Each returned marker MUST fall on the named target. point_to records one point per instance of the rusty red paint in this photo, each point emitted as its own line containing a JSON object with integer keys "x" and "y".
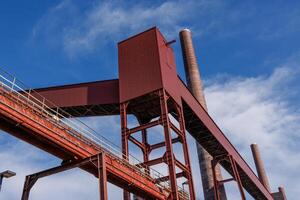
{"x": 83, "y": 94}
{"x": 146, "y": 64}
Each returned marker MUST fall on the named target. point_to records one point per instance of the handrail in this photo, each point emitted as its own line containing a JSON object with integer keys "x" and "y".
{"x": 77, "y": 128}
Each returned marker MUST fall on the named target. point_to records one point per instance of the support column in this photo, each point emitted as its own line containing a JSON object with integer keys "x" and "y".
{"x": 237, "y": 177}
{"x": 195, "y": 85}
{"x": 102, "y": 177}
{"x": 145, "y": 142}
{"x": 186, "y": 153}
{"x": 168, "y": 141}
{"x": 29, "y": 183}
{"x": 219, "y": 182}
{"x": 97, "y": 161}
{"x": 167, "y": 105}
{"x": 125, "y": 135}
{"x": 145, "y": 150}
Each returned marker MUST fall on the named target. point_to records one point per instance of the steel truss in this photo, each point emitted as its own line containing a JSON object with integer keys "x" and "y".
{"x": 235, "y": 175}
{"x": 166, "y": 105}
{"x": 97, "y": 161}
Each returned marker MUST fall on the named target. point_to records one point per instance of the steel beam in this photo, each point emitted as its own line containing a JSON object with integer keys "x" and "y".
{"x": 236, "y": 176}
{"x": 144, "y": 126}
{"x": 102, "y": 177}
{"x": 162, "y": 144}
{"x": 125, "y": 138}
{"x": 196, "y": 115}
{"x": 170, "y": 160}
{"x": 101, "y": 166}
{"x": 17, "y": 114}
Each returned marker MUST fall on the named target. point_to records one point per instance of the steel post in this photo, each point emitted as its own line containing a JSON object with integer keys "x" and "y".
{"x": 29, "y": 182}
{"x": 186, "y": 152}
{"x": 168, "y": 140}
{"x": 102, "y": 177}
{"x": 125, "y": 137}
{"x": 235, "y": 176}
{"x": 100, "y": 164}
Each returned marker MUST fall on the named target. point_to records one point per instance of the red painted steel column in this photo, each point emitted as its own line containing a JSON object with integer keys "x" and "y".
{"x": 216, "y": 181}
{"x": 195, "y": 85}
{"x": 237, "y": 177}
{"x": 145, "y": 142}
{"x": 102, "y": 176}
{"x": 145, "y": 151}
{"x": 262, "y": 175}
{"x": 168, "y": 140}
{"x": 186, "y": 153}
{"x": 124, "y": 129}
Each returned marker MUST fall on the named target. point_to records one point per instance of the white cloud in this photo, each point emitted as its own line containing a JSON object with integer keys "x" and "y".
{"x": 82, "y": 28}
{"x": 106, "y": 21}
{"x": 257, "y": 110}
{"x": 110, "y": 21}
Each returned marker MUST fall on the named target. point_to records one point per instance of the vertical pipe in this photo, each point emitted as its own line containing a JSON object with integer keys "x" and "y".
{"x": 260, "y": 166}
{"x": 195, "y": 85}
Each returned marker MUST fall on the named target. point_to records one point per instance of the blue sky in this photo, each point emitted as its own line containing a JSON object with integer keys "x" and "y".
{"x": 248, "y": 51}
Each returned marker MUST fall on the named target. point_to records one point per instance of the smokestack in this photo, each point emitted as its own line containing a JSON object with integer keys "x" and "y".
{"x": 260, "y": 166}
{"x": 282, "y": 192}
{"x": 280, "y": 195}
{"x": 191, "y": 66}
{"x": 195, "y": 85}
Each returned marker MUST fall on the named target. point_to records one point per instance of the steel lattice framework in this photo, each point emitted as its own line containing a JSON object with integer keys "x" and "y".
{"x": 148, "y": 88}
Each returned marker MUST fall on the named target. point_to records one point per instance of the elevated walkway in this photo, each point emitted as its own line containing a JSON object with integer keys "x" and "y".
{"x": 26, "y": 115}
{"x": 196, "y": 120}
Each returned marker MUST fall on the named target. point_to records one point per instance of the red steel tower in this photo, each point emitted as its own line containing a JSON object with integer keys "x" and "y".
{"x": 149, "y": 89}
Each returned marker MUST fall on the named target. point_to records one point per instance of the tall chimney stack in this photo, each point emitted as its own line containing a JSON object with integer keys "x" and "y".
{"x": 195, "y": 85}
{"x": 260, "y": 168}
{"x": 280, "y": 195}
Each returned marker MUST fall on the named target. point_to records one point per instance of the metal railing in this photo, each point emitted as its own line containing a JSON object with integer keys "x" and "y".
{"x": 75, "y": 127}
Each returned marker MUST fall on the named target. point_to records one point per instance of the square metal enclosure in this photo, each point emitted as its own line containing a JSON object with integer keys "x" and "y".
{"x": 146, "y": 64}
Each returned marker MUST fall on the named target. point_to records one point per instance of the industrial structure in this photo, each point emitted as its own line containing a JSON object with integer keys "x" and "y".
{"x": 149, "y": 89}
{"x": 194, "y": 83}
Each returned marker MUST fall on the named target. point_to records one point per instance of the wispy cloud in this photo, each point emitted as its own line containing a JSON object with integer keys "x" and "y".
{"x": 258, "y": 110}
{"x": 109, "y": 21}
{"x": 81, "y": 29}
{"x": 253, "y": 109}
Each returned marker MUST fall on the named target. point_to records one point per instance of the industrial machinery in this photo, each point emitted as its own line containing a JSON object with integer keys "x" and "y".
{"x": 149, "y": 89}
